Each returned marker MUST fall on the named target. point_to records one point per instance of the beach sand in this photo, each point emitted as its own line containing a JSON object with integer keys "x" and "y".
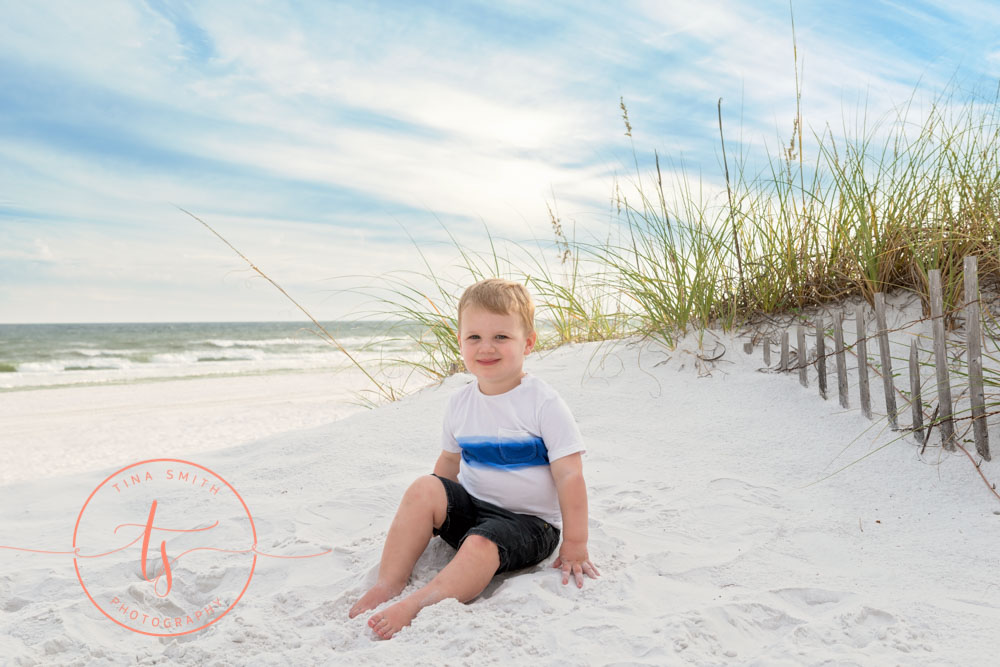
{"x": 54, "y": 432}
{"x": 718, "y": 538}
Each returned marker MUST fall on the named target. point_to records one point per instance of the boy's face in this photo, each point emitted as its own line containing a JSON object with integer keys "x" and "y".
{"x": 493, "y": 348}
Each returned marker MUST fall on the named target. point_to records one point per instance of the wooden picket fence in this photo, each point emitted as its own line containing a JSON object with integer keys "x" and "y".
{"x": 943, "y": 416}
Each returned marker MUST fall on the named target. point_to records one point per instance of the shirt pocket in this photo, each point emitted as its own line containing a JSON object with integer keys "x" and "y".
{"x": 516, "y": 446}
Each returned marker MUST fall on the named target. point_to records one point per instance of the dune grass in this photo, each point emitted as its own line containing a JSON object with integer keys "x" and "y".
{"x": 871, "y": 208}
{"x": 573, "y": 304}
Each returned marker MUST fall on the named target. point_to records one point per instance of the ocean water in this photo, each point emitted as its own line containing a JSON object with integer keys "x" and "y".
{"x": 35, "y": 356}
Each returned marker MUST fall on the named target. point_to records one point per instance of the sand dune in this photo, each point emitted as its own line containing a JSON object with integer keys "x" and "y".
{"x": 717, "y": 540}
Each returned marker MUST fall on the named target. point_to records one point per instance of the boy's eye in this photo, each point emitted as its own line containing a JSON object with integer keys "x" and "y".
{"x": 474, "y": 337}
{"x": 502, "y": 336}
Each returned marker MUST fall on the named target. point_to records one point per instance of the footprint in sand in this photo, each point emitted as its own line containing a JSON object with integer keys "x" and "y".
{"x": 57, "y": 645}
{"x": 718, "y": 634}
{"x": 207, "y": 582}
{"x": 627, "y": 501}
{"x": 867, "y": 625}
{"x": 14, "y": 604}
{"x": 754, "y": 618}
{"x": 750, "y": 493}
{"x": 625, "y": 644}
{"x": 639, "y": 510}
{"x": 812, "y": 600}
{"x": 864, "y": 628}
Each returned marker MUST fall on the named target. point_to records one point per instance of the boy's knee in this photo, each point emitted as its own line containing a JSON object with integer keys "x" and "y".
{"x": 425, "y": 486}
{"x": 429, "y": 492}
{"x": 480, "y": 544}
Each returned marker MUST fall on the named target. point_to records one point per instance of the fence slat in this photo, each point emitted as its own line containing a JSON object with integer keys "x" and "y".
{"x": 767, "y": 352}
{"x": 974, "y": 334}
{"x": 885, "y": 358}
{"x": 803, "y": 355}
{"x": 838, "y": 345}
{"x": 916, "y": 407}
{"x": 784, "y": 351}
{"x": 941, "y": 361}
{"x": 821, "y": 355}
{"x": 862, "y": 350}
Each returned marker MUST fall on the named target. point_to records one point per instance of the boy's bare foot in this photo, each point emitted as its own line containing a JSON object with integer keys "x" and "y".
{"x": 388, "y": 622}
{"x": 375, "y": 596}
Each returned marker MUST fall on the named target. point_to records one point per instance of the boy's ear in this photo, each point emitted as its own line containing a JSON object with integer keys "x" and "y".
{"x": 530, "y": 342}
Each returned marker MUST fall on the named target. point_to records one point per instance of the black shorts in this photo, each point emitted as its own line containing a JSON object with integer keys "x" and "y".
{"x": 522, "y": 540}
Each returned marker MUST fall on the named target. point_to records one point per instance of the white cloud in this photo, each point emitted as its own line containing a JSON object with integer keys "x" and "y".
{"x": 417, "y": 109}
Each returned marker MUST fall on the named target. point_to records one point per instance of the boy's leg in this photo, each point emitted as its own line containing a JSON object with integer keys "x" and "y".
{"x": 463, "y": 578}
{"x": 424, "y": 507}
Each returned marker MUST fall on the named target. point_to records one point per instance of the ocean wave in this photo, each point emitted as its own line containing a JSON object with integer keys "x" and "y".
{"x": 90, "y": 353}
{"x": 193, "y": 357}
{"x": 304, "y": 341}
{"x": 49, "y": 356}
{"x": 63, "y": 365}
{"x": 92, "y": 368}
{"x": 267, "y": 342}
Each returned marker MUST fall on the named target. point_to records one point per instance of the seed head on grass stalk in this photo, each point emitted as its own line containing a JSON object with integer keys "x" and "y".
{"x": 576, "y": 302}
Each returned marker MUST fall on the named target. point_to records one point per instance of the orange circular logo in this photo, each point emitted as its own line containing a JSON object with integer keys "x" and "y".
{"x": 164, "y": 547}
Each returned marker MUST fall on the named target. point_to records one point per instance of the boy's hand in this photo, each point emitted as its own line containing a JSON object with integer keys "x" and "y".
{"x": 574, "y": 560}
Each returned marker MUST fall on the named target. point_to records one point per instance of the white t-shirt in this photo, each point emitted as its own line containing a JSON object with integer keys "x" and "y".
{"x": 507, "y": 442}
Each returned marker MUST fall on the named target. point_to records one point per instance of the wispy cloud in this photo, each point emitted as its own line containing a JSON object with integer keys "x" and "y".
{"x": 312, "y": 132}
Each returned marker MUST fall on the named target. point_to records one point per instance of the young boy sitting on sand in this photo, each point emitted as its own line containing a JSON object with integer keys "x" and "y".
{"x": 509, "y": 476}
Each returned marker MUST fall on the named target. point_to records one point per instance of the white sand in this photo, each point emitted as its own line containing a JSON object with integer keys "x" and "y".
{"x": 716, "y": 543}
{"x": 55, "y": 432}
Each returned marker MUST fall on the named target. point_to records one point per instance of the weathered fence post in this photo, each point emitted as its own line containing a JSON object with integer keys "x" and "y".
{"x": 838, "y": 344}
{"x": 862, "y": 350}
{"x": 803, "y": 355}
{"x": 941, "y": 361}
{"x": 974, "y": 334}
{"x": 784, "y": 351}
{"x": 767, "y": 351}
{"x": 886, "y": 360}
{"x": 821, "y": 355}
{"x": 916, "y": 407}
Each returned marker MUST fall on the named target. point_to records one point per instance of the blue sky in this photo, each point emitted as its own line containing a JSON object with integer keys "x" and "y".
{"x": 311, "y": 134}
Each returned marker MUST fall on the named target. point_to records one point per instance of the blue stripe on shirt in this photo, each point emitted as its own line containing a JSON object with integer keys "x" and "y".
{"x": 507, "y": 454}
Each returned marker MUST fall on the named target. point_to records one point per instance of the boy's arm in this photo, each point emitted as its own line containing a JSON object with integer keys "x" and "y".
{"x": 567, "y": 472}
{"x": 447, "y": 465}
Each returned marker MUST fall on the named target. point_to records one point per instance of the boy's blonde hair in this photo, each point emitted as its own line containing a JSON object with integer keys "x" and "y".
{"x": 503, "y": 297}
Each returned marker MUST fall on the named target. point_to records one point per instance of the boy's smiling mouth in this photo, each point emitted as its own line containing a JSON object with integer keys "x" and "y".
{"x": 487, "y": 362}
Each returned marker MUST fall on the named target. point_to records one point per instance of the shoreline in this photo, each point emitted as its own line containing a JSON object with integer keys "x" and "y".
{"x": 167, "y": 378}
